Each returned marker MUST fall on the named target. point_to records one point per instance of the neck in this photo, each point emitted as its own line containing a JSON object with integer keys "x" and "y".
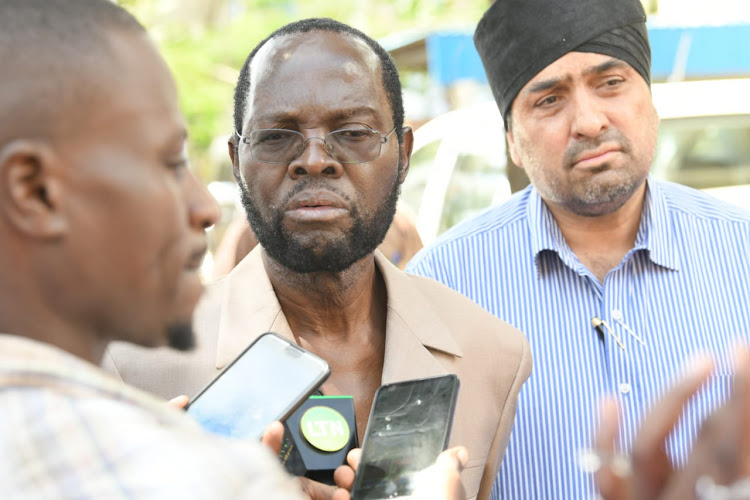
{"x": 332, "y": 306}
{"x": 30, "y": 303}
{"x": 50, "y": 330}
{"x": 600, "y": 242}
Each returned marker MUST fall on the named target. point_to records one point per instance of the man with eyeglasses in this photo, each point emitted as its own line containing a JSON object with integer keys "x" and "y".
{"x": 319, "y": 153}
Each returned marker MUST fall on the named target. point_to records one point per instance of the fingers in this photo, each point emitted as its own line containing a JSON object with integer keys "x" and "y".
{"x": 343, "y": 476}
{"x": 443, "y": 479}
{"x": 611, "y": 486}
{"x": 353, "y": 458}
{"x": 742, "y": 396}
{"x": 273, "y": 436}
{"x": 652, "y": 468}
{"x": 318, "y": 491}
{"x": 453, "y": 459}
{"x": 180, "y": 402}
{"x": 667, "y": 410}
{"x": 341, "y": 495}
{"x": 720, "y": 453}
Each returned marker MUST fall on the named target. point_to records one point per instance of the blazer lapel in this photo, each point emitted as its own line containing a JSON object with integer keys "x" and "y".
{"x": 249, "y": 308}
{"x": 412, "y": 329}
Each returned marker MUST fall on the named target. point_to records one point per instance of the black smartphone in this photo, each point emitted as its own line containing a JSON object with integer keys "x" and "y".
{"x": 409, "y": 426}
{"x": 267, "y": 382}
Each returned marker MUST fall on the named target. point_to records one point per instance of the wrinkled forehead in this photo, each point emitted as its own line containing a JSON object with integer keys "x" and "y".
{"x": 297, "y": 61}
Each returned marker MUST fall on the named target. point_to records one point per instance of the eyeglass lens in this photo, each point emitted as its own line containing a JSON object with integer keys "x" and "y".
{"x": 284, "y": 146}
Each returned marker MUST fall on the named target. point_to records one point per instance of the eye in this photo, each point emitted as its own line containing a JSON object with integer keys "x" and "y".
{"x": 354, "y": 134}
{"x": 612, "y": 83}
{"x": 272, "y": 136}
{"x": 178, "y": 166}
{"x": 546, "y": 101}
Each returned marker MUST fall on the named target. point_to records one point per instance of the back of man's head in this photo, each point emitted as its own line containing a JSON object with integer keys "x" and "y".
{"x": 45, "y": 46}
{"x": 101, "y": 223}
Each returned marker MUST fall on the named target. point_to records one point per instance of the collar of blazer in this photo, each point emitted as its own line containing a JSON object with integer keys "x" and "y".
{"x": 249, "y": 307}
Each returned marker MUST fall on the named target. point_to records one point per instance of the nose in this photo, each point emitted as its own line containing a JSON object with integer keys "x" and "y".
{"x": 589, "y": 116}
{"x": 203, "y": 209}
{"x": 315, "y": 160}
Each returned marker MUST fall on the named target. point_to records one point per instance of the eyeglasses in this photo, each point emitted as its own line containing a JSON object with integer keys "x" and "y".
{"x": 350, "y": 145}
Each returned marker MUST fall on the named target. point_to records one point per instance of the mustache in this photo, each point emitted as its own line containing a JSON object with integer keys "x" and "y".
{"x": 579, "y": 147}
{"x": 317, "y": 183}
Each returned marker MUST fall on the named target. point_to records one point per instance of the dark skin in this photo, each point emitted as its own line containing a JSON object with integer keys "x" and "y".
{"x": 73, "y": 203}
{"x": 315, "y": 83}
{"x": 345, "y": 325}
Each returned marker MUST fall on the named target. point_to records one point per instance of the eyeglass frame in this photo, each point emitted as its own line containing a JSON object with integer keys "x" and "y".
{"x": 383, "y": 140}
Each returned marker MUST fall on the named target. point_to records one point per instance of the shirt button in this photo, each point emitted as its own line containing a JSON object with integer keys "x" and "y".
{"x": 624, "y": 388}
{"x": 616, "y": 314}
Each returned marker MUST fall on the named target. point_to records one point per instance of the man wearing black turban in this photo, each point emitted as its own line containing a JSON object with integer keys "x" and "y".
{"x": 613, "y": 276}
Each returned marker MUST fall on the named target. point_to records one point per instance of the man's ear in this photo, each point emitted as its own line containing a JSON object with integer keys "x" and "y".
{"x": 234, "y": 154}
{"x": 407, "y": 144}
{"x": 31, "y": 189}
{"x": 512, "y": 149}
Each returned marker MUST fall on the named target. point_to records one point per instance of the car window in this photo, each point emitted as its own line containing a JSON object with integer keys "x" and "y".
{"x": 704, "y": 152}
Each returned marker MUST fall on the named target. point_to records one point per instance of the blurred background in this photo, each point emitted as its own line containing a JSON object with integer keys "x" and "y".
{"x": 701, "y": 75}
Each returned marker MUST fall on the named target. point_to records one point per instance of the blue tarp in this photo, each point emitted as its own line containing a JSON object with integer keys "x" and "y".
{"x": 689, "y": 53}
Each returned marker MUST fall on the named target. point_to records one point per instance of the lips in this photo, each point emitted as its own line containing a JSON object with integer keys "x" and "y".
{"x": 315, "y": 207}
{"x": 595, "y": 157}
{"x": 321, "y": 199}
{"x": 196, "y": 258}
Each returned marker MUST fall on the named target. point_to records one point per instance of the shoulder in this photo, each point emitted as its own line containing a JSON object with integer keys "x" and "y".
{"x": 697, "y": 205}
{"x": 135, "y": 451}
{"x": 466, "y": 237}
{"x": 480, "y": 334}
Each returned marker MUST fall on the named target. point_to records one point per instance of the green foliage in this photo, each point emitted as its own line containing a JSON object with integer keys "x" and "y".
{"x": 205, "y": 42}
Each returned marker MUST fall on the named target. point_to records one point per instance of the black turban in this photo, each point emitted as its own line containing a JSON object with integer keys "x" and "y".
{"x": 516, "y": 39}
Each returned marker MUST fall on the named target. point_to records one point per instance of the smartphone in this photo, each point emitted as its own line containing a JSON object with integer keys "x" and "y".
{"x": 267, "y": 382}
{"x": 409, "y": 425}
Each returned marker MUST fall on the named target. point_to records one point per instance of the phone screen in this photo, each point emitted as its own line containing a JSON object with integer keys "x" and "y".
{"x": 408, "y": 428}
{"x": 267, "y": 382}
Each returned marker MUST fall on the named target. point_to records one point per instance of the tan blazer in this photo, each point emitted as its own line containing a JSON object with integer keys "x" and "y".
{"x": 430, "y": 330}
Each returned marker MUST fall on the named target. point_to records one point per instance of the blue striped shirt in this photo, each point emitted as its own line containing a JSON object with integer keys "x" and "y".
{"x": 683, "y": 289}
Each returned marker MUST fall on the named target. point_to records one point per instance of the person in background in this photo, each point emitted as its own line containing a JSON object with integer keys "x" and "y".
{"x": 319, "y": 153}
{"x": 615, "y": 278}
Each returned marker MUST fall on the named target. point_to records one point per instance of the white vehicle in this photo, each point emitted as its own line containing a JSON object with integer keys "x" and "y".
{"x": 459, "y": 165}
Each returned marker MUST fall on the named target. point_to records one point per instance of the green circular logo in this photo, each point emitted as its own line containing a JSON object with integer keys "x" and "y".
{"x": 324, "y": 428}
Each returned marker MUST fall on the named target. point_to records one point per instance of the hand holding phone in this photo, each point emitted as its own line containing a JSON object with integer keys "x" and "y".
{"x": 266, "y": 382}
{"x": 409, "y": 427}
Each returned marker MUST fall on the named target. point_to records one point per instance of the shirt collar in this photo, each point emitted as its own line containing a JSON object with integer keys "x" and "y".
{"x": 29, "y": 363}
{"x": 654, "y": 233}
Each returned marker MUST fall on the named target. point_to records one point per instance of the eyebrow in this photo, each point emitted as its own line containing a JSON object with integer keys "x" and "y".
{"x": 550, "y": 83}
{"x": 605, "y": 66}
{"x": 330, "y": 114}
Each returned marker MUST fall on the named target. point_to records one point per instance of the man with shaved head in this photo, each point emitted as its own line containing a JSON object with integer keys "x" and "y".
{"x": 320, "y": 152}
{"x": 101, "y": 238}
